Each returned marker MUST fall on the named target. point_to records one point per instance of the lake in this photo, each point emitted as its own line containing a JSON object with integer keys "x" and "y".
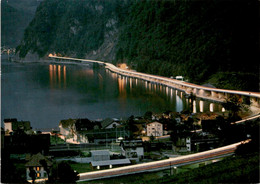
{"x": 45, "y": 93}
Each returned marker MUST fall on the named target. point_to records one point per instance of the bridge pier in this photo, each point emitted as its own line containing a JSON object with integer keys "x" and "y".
{"x": 201, "y": 106}
{"x": 211, "y": 107}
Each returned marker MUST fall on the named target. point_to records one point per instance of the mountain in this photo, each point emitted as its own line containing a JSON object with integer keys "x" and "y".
{"x": 15, "y": 17}
{"x": 205, "y": 41}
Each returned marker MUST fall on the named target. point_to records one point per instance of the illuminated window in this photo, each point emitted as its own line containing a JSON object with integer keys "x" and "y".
{"x": 38, "y": 168}
{"x": 38, "y": 175}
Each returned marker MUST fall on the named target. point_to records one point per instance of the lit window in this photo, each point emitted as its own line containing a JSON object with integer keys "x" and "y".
{"x": 38, "y": 175}
{"x": 38, "y": 168}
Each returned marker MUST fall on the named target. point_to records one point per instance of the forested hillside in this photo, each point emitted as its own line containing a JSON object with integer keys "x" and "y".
{"x": 15, "y": 17}
{"x": 213, "y": 42}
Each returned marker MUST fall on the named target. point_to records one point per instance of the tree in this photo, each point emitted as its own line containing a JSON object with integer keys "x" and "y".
{"x": 46, "y": 168}
{"x": 233, "y": 105}
{"x": 32, "y": 174}
{"x": 63, "y": 173}
{"x": 148, "y": 115}
{"x": 152, "y": 138}
{"x": 252, "y": 146}
{"x": 131, "y": 125}
{"x": 9, "y": 172}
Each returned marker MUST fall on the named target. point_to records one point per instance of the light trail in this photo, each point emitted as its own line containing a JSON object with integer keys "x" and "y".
{"x": 162, "y": 164}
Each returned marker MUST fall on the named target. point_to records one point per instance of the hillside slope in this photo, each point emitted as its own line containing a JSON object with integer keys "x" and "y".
{"x": 15, "y": 17}
{"x": 205, "y": 41}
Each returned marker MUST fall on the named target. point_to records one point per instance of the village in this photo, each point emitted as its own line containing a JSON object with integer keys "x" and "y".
{"x": 86, "y": 145}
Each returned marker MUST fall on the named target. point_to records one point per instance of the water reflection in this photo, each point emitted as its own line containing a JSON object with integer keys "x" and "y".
{"x": 177, "y": 99}
{"x": 83, "y": 94}
{"x": 56, "y": 81}
{"x": 121, "y": 87}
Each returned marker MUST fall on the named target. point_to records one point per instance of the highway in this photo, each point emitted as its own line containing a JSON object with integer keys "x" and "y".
{"x": 162, "y": 164}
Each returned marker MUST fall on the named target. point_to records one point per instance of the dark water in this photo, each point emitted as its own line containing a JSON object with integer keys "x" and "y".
{"x": 45, "y": 93}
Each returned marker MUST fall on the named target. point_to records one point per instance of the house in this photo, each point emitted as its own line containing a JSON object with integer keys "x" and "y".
{"x": 73, "y": 130}
{"x": 100, "y": 155}
{"x": 154, "y": 129}
{"x": 36, "y": 163}
{"x": 86, "y": 124}
{"x": 67, "y": 127}
{"x": 14, "y": 126}
{"x": 133, "y": 149}
{"x": 110, "y": 123}
{"x": 110, "y": 163}
{"x": 183, "y": 145}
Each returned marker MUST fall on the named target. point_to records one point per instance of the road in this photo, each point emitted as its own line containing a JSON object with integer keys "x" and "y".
{"x": 162, "y": 164}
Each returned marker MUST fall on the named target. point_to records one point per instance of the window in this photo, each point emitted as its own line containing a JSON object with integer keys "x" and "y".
{"x": 38, "y": 175}
{"x": 38, "y": 168}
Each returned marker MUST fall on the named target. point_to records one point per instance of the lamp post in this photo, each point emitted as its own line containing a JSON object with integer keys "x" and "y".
{"x": 175, "y": 170}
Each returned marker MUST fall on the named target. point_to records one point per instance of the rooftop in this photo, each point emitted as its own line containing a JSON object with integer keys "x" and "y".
{"x": 100, "y": 152}
{"x": 34, "y": 161}
{"x": 110, "y": 162}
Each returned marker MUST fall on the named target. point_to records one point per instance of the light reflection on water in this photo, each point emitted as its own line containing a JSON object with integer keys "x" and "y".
{"x": 47, "y": 93}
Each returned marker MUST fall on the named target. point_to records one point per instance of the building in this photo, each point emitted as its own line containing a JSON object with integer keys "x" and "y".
{"x": 133, "y": 149}
{"x": 74, "y": 129}
{"x": 100, "y": 155}
{"x": 110, "y": 123}
{"x": 23, "y": 143}
{"x": 86, "y": 124}
{"x": 110, "y": 163}
{"x": 154, "y": 129}
{"x": 181, "y": 78}
{"x": 36, "y": 162}
{"x": 67, "y": 127}
{"x": 183, "y": 145}
{"x": 13, "y": 126}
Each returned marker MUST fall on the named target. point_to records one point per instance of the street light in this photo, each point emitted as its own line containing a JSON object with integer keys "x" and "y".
{"x": 120, "y": 139}
{"x": 175, "y": 170}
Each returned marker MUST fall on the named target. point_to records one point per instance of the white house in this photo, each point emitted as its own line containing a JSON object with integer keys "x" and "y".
{"x": 155, "y": 129}
{"x": 35, "y": 164}
{"x": 67, "y": 127}
{"x": 132, "y": 149}
{"x": 110, "y": 123}
{"x": 100, "y": 155}
{"x": 12, "y": 125}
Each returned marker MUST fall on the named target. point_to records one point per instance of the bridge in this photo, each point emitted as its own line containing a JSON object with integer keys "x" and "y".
{"x": 209, "y": 93}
